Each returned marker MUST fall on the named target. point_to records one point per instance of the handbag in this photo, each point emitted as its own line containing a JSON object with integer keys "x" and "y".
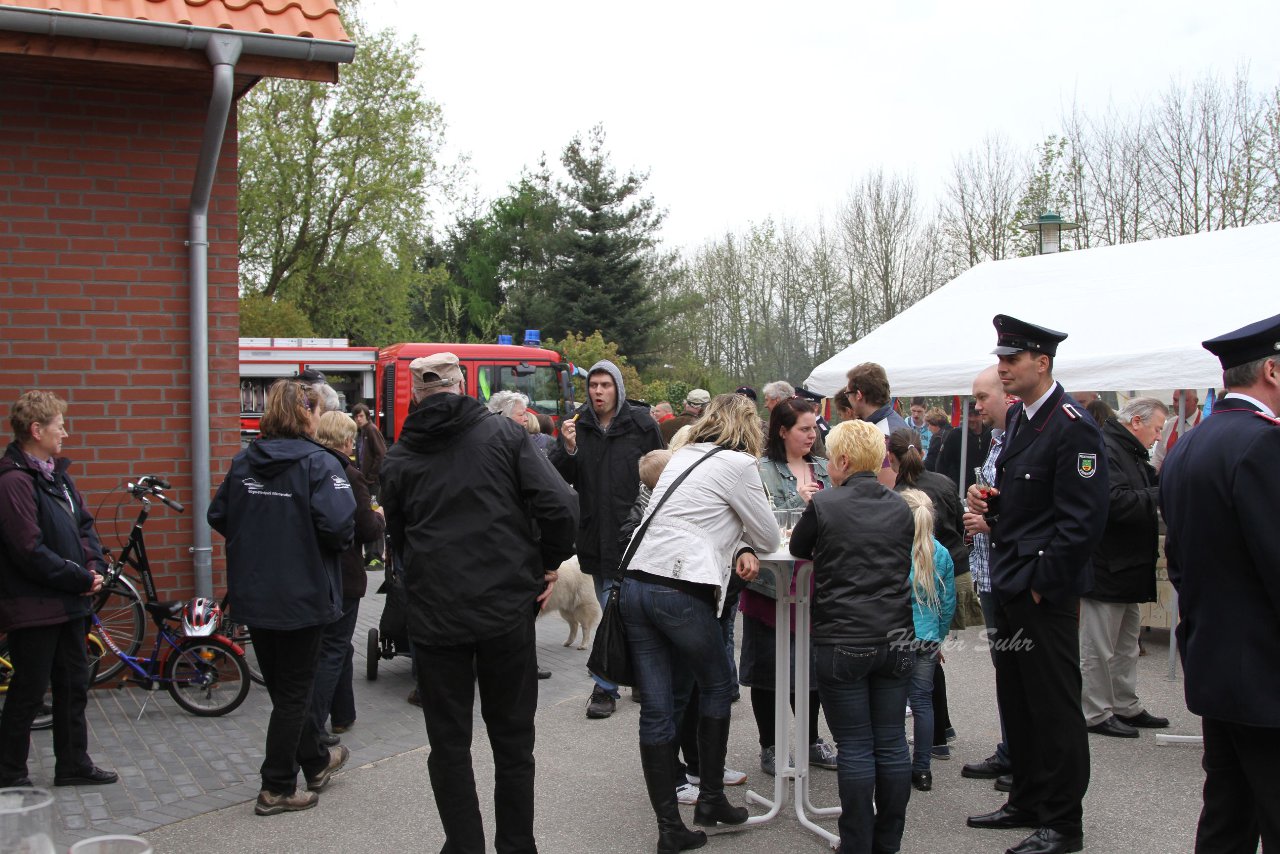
{"x": 610, "y": 659}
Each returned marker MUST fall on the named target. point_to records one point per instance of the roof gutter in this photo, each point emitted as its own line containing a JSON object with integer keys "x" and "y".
{"x": 180, "y": 36}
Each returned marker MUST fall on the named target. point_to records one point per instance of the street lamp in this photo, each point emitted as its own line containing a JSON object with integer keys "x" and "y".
{"x": 1049, "y": 226}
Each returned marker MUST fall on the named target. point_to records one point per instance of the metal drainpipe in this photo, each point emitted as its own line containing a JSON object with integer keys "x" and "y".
{"x": 223, "y": 52}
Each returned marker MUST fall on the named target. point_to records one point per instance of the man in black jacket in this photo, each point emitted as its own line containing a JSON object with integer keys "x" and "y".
{"x": 979, "y": 442}
{"x": 1219, "y": 489}
{"x": 1124, "y": 574}
{"x": 481, "y": 521}
{"x": 1047, "y": 516}
{"x": 599, "y": 453}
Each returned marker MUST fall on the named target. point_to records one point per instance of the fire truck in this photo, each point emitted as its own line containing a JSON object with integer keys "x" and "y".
{"x": 381, "y": 379}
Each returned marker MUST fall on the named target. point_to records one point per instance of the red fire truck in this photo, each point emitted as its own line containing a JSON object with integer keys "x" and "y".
{"x": 380, "y": 378}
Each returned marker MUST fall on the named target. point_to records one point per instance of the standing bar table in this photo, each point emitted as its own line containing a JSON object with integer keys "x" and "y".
{"x": 797, "y": 735}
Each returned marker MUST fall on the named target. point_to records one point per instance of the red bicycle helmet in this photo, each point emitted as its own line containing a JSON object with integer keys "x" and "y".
{"x": 200, "y": 617}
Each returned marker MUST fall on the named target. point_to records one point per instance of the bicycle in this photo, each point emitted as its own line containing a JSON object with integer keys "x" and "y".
{"x": 44, "y": 720}
{"x": 205, "y": 675}
{"x": 238, "y": 633}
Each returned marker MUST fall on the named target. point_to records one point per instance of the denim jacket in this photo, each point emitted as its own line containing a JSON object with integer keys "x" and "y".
{"x": 784, "y": 494}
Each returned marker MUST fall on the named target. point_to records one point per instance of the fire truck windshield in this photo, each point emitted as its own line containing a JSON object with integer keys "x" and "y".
{"x": 540, "y": 383}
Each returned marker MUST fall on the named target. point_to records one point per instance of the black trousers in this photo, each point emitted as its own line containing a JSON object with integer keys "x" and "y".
{"x": 941, "y": 714}
{"x": 41, "y": 657}
{"x": 1241, "y": 798}
{"x": 1038, "y": 687}
{"x": 287, "y": 660}
{"x": 506, "y": 669}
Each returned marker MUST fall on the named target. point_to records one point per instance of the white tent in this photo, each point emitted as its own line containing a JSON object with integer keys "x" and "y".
{"x": 1135, "y": 314}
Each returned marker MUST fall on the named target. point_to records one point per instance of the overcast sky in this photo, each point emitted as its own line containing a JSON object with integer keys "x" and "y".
{"x": 741, "y": 111}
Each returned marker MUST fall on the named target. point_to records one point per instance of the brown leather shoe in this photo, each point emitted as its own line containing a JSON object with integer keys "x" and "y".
{"x": 269, "y": 803}
{"x": 338, "y": 757}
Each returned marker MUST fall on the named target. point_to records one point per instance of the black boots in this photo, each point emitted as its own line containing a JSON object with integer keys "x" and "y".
{"x": 659, "y": 764}
{"x": 713, "y": 807}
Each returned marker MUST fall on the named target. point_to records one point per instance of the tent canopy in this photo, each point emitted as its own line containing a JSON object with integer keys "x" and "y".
{"x": 1135, "y": 315}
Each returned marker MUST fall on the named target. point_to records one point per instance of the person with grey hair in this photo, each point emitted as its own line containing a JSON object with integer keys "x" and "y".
{"x": 1124, "y": 567}
{"x": 512, "y": 404}
{"x": 776, "y": 392}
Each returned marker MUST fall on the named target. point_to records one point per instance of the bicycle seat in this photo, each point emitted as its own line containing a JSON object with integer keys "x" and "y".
{"x": 165, "y": 610}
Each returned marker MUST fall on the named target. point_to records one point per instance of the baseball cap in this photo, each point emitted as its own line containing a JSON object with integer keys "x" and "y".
{"x": 437, "y": 371}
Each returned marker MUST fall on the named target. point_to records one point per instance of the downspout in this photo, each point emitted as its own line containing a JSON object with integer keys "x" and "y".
{"x": 223, "y": 52}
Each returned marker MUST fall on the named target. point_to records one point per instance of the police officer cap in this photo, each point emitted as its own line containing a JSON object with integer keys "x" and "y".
{"x": 1247, "y": 344}
{"x": 809, "y": 395}
{"x": 1014, "y": 336}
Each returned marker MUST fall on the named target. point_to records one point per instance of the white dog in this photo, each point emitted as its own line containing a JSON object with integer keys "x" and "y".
{"x": 574, "y": 596}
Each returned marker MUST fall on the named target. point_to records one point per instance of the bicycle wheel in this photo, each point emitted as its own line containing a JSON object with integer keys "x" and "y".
{"x": 119, "y": 608}
{"x": 238, "y": 633}
{"x": 206, "y": 676}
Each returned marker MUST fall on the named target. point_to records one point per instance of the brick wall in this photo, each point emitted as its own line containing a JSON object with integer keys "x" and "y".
{"x": 94, "y": 192}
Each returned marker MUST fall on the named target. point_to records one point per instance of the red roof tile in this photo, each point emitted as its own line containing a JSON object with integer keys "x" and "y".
{"x": 314, "y": 19}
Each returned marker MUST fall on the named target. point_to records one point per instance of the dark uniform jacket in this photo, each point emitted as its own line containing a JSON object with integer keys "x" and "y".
{"x": 466, "y": 496}
{"x": 1052, "y": 506}
{"x": 1124, "y": 564}
{"x": 605, "y": 472}
{"x": 288, "y": 514}
{"x": 859, "y": 538}
{"x": 48, "y": 547}
{"x": 1219, "y": 492}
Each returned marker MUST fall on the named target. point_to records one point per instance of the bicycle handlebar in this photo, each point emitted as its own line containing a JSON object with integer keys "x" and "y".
{"x": 154, "y": 486}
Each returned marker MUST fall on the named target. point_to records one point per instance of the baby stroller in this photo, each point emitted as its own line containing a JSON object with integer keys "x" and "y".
{"x": 391, "y": 638}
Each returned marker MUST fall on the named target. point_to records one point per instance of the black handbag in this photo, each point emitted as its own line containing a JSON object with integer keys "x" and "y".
{"x": 610, "y": 659}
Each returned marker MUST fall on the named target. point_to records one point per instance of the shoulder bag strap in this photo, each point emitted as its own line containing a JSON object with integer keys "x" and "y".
{"x": 635, "y": 540}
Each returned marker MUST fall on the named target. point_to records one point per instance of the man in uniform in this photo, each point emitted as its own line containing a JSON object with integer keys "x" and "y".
{"x": 1219, "y": 490}
{"x": 1047, "y": 512}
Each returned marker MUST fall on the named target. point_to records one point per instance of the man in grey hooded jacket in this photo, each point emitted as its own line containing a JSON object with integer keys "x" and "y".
{"x": 599, "y": 455}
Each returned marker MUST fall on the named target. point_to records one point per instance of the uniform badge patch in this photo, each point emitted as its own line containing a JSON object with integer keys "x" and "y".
{"x": 1086, "y": 464}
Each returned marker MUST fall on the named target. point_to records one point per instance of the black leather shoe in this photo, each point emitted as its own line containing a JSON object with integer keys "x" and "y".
{"x": 544, "y": 674}
{"x": 16, "y": 783}
{"x": 922, "y": 780}
{"x": 1145, "y": 720}
{"x": 1002, "y": 819}
{"x": 1004, "y": 783}
{"x": 329, "y": 739}
{"x": 1046, "y": 841}
{"x": 95, "y": 776}
{"x": 988, "y": 769}
{"x": 1115, "y": 728}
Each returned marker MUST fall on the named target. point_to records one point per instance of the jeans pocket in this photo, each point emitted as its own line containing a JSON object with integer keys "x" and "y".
{"x": 905, "y": 663}
{"x": 670, "y": 607}
{"x": 851, "y": 663}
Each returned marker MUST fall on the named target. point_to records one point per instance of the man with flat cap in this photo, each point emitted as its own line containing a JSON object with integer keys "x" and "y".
{"x": 1219, "y": 492}
{"x": 481, "y": 521}
{"x": 1047, "y": 511}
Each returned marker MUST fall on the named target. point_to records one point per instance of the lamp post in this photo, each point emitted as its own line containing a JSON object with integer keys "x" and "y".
{"x": 1049, "y": 226}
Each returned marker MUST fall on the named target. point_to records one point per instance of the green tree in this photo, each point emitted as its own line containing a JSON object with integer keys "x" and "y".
{"x": 334, "y": 185}
{"x": 263, "y": 317}
{"x": 601, "y": 257}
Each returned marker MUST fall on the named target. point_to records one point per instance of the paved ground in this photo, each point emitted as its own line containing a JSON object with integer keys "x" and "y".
{"x": 187, "y": 782}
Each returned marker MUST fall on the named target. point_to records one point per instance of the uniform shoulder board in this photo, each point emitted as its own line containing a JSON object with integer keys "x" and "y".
{"x": 1072, "y": 412}
{"x": 1265, "y": 417}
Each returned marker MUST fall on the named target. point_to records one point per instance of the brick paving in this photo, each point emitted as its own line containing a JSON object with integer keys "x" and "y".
{"x": 174, "y": 765}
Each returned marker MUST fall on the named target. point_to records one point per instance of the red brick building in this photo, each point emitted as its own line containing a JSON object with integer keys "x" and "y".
{"x": 117, "y": 123}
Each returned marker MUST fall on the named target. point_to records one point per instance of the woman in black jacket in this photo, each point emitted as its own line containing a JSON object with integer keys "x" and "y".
{"x": 333, "y": 696}
{"x": 50, "y": 564}
{"x": 859, "y": 537}
{"x": 287, "y": 511}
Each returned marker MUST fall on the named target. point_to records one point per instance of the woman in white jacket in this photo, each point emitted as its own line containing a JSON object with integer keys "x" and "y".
{"x": 674, "y": 590}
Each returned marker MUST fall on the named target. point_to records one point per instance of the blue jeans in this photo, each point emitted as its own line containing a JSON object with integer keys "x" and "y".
{"x": 665, "y": 625}
{"x": 330, "y": 692}
{"x": 921, "y": 696}
{"x": 988, "y": 602}
{"x": 603, "y": 586}
{"x": 864, "y": 696}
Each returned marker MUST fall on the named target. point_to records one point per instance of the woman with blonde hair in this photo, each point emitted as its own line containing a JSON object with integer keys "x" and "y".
{"x": 707, "y": 517}
{"x": 859, "y": 536}
{"x": 287, "y": 512}
{"x": 333, "y": 696}
{"x": 933, "y": 602}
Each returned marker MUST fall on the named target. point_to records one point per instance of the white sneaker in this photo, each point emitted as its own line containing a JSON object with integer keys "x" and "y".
{"x": 732, "y": 777}
{"x": 687, "y": 793}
